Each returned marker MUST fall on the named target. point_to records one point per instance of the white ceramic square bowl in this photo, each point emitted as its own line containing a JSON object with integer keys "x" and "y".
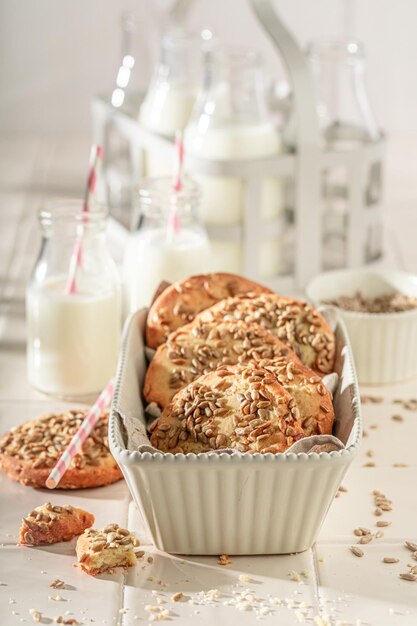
{"x": 216, "y": 503}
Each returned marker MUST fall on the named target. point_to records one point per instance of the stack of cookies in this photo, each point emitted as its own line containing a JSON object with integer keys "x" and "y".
{"x": 236, "y": 366}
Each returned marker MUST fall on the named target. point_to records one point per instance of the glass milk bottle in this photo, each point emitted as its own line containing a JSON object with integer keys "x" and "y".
{"x": 72, "y": 338}
{"x": 129, "y": 82}
{"x": 170, "y": 98}
{"x": 232, "y": 121}
{"x": 346, "y": 121}
{"x": 171, "y": 243}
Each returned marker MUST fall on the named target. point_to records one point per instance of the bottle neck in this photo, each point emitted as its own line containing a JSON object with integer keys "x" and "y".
{"x": 73, "y": 242}
{"x": 180, "y": 59}
{"x": 67, "y": 220}
{"x": 158, "y": 202}
{"x": 343, "y": 107}
{"x": 235, "y": 89}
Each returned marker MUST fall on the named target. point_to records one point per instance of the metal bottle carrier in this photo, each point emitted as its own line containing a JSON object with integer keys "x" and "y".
{"x": 304, "y": 165}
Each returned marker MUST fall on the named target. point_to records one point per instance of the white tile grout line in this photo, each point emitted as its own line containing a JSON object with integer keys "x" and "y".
{"x": 317, "y": 583}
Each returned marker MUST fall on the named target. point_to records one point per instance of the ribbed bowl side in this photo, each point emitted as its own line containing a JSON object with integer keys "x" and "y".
{"x": 373, "y": 339}
{"x": 239, "y": 504}
{"x": 273, "y": 509}
{"x": 407, "y": 349}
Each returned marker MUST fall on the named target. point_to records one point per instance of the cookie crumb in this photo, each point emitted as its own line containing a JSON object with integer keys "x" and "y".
{"x": 176, "y": 597}
{"x": 224, "y": 559}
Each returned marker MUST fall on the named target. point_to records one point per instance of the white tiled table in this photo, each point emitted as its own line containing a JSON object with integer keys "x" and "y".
{"x": 334, "y": 584}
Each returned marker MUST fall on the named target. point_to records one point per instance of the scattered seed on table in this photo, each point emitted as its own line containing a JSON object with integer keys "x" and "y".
{"x": 379, "y": 534}
{"x": 390, "y": 559}
{"x": 176, "y": 597}
{"x": 400, "y": 465}
{"x": 378, "y": 511}
{"x": 374, "y": 426}
{"x": 397, "y": 418}
{"x": 370, "y": 453}
{"x": 371, "y": 464}
{"x": 356, "y": 551}
{"x": 57, "y": 584}
{"x": 407, "y": 576}
{"x": 411, "y": 546}
{"x": 371, "y": 399}
{"x": 382, "y": 522}
{"x": 365, "y": 538}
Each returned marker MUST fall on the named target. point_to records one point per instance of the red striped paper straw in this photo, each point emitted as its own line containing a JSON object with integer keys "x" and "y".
{"x": 96, "y": 154}
{"x": 81, "y": 435}
{"x": 173, "y": 217}
{"x": 179, "y": 161}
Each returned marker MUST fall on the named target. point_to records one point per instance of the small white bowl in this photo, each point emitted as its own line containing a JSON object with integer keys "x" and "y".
{"x": 384, "y": 344}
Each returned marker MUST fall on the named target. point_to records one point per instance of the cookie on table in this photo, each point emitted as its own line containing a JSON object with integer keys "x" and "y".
{"x": 295, "y": 322}
{"x": 28, "y": 452}
{"x": 100, "y": 551}
{"x": 52, "y": 523}
{"x": 241, "y": 407}
{"x": 314, "y": 400}
{"x": 200, "y": 347}
{"x": 180, "y": 302}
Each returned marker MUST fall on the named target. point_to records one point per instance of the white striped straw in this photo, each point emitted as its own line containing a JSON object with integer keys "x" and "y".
{"x": 96, "y": 154}
{"x": 81, "y": 435}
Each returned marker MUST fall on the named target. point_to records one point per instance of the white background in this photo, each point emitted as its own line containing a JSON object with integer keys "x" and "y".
{"x": 55, "y": 54}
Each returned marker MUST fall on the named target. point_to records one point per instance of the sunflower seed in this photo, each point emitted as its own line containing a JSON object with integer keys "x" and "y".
{"x": 221, "y": 440}
{"x": 356, "y": 551}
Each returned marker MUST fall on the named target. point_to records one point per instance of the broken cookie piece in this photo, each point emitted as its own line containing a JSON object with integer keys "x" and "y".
{"x": 52, "y": 523}
{"x": 99, "y": 551}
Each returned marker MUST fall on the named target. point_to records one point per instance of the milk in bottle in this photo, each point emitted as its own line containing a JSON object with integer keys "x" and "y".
{"x": 157, "y": 251}
{"x": 72, "y": 338}
{"x": 231, "y": 121}
{"x": 170, "y": 98}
